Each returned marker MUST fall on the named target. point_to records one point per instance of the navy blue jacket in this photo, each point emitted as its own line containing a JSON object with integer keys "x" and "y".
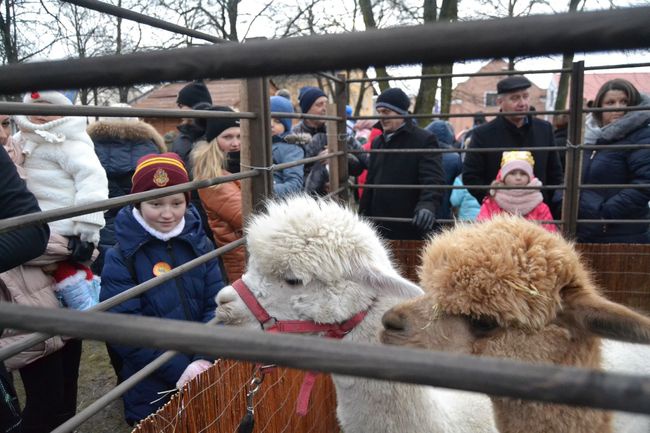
{"x": 119, "y": 145}
{"x": 189, "y": 297}
{"x": 617, "y": 167}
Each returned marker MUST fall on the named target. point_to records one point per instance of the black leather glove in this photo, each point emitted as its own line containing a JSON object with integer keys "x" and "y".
{"x": 80, "y": 251}
{"x": 423, "y": 219}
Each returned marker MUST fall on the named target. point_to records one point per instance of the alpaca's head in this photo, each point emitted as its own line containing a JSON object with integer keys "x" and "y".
{"x": 509, "y": 288}
{"x": 312, "y": 259}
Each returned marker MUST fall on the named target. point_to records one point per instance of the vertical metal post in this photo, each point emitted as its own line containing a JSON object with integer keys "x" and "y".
{"x": 573, "y": 152}
{"x": 256, "y": 146}
{"x": 337, "y": 140}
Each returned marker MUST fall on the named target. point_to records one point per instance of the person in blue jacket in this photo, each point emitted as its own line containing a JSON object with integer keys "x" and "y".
{"x": 613, "y": 166}
{"x": 286, "y": 148}
{"x": 153, "y": 238}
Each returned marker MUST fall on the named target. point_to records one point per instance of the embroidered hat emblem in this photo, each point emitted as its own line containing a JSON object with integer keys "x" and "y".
{"x": 160, "y": 178}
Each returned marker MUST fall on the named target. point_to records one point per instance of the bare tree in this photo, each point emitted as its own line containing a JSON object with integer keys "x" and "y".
{"x": 24, "y": 35}
{"x": 567, "y": 62}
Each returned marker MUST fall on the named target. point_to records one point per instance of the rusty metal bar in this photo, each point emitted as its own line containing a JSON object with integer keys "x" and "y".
{"x": 500, "y": 377}
{"x": 451, "y": 75}
{"x": 144, "y": 19}
{"x": 429, "y": 43}
{"x": 573, "y": 155}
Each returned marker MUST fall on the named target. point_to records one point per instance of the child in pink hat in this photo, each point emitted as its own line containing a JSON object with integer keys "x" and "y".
{"x": 517, "y": 170}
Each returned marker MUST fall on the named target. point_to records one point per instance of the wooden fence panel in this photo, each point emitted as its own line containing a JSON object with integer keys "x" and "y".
{"x": 215, "y": 402}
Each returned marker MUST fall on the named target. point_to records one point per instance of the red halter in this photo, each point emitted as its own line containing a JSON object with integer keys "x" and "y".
{"x": 271, "y": 324}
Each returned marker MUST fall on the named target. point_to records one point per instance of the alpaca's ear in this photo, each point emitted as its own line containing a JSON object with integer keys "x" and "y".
{"x": 595, "y": 314}
{"x": 388, "y": 283}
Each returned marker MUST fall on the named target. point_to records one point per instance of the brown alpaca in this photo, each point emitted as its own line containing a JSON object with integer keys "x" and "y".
{"x": 509, "y": 288}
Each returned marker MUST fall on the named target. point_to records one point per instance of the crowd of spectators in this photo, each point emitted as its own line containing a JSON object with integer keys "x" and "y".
{"x": 53, "y": 161}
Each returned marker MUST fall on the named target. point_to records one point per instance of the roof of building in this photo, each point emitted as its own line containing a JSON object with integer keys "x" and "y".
{"x": 223, "y": 92}
{"x": 593, "y": 81}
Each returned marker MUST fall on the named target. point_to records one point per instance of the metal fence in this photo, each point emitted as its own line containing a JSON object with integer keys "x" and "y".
{"x": 593, "y": 31}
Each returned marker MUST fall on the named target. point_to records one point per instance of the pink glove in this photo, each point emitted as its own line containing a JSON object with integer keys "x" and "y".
{"x": 191, "y": 371}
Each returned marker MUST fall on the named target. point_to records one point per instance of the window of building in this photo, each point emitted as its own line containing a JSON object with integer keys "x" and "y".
{"x": 490, "y": 99}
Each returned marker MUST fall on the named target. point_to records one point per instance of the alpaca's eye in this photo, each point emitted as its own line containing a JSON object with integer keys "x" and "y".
{"x": 293, "y": 281}
{"x": 482, "y": 326}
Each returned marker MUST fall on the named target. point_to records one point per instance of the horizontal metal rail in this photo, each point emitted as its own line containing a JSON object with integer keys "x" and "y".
{"x": 430, "y": 43}
{"x": 336, "y": 192}
{"x": 33, "y": 339}
{"x": 499, "y": 377}
{"x": 444, "y": 220}
{"x": 92, "y": 110}
{"x": 460, "y": 74}
{"x": 67, "y": 212}
{"x": 467, "y": 150}
{"x": 450, "y": 115}
{"x": 619, "y": 66}
{"x": 451, "y": 187}
{"x": 144, "y": 19}
{"x": 492, "y": 74}
{"x": 284, "y": 165}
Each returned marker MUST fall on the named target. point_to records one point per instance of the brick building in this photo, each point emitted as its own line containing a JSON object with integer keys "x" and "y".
{"x": 479, "y": 94}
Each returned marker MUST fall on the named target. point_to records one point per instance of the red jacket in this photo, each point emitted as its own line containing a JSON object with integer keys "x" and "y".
{"x": 489, "y": 208}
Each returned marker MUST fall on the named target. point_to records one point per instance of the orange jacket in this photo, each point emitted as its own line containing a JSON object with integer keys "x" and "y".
{"x": 222, "y": 205}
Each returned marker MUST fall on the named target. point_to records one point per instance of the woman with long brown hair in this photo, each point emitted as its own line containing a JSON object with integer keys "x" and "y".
{"x": 222, "y": 203}
{"x": 614, "y": 166}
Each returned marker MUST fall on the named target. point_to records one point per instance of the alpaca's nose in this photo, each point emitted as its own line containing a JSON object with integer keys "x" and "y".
{"x": 394, "y": 320}
{"x": 226, "y": 295}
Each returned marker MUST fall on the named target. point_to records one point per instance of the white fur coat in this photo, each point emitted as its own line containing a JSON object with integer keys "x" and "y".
{"x": 63, "y": 170}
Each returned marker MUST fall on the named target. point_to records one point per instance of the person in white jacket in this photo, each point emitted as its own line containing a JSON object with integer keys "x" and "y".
{"x": 62, "y": 170}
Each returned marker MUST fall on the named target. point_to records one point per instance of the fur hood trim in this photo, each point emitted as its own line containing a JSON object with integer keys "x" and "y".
{"x": 516, "y": 275}
{"x": 619, "y": 129}
{"x": 297, "y": 138}
{"x": 127, "y": 130}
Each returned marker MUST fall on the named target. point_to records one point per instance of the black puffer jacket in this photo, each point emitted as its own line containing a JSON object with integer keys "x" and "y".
{"x": 119, "y": 145}
{"x": 405, "y": 169}
{"x": 617, "y": 167}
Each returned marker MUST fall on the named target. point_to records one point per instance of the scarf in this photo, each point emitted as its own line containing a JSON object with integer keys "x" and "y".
{"x": 155, "y": 233}
{"x": 518, "y": 201}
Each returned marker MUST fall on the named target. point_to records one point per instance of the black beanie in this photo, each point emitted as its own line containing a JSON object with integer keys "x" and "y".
{"x": 215, "y": 126}
{"x": 193, "y": 94}
{"x": 394, "y": 99}
{"x": 307, "y": 96}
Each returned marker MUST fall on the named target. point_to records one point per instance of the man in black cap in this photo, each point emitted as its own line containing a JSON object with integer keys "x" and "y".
{"x": 194, "y": 96}
{"x": 517, "y": 130}
{"x": 419, "y": 205}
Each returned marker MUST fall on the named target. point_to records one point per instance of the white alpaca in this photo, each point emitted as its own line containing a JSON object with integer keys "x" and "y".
{"x": 508, "y": 288}
{"x": 314, "y": 260}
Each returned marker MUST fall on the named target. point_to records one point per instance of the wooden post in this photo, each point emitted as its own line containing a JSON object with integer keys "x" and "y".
{"x": 256, "y": 144}
{"x": 573, "y": 154}
{"x": 337, "y": 140}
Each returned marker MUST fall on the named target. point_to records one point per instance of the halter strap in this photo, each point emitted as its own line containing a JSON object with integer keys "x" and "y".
{"x": 271, "y": 324}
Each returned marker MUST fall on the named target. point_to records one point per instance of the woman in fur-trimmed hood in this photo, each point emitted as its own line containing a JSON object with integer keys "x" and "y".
{"x": 625, "y": 166}
{"x": 119, "y": 143}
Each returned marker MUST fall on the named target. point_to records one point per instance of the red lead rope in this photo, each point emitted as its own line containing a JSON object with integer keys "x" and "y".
{"x": 271, "y": 324}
